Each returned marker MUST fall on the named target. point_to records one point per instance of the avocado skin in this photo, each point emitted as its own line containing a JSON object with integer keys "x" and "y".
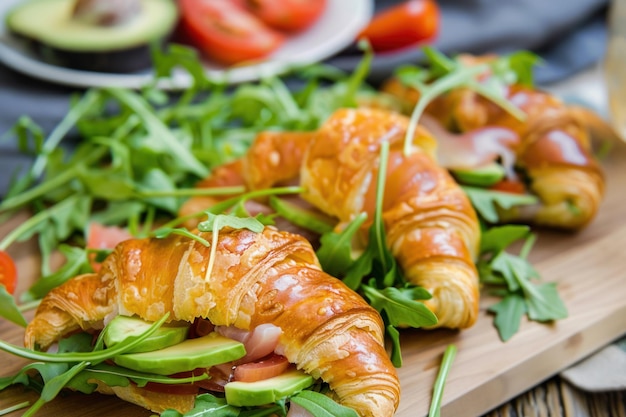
{"x": 124, "y": 61}
{"x": 109, "y": 52}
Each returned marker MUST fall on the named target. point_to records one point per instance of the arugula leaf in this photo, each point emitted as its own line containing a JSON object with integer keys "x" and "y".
{"x": 208, "y": 405}
{"x": 396, "y": 352}
{"x": 8, "y": 308}
{"x": 497, "y": 239}
{"x": 300, "y": 216}
{"x": 509, "y": 312}
{"x": 513, "y": 277}
{"x": 335, "y": 251}
{"x": 400, "y": 306}
{"x": 543, "y": 302}
{"x": 486, "y": 202}
{"x": 118, "y": 376}
{"x": 321, "y": 405}
{"x": 76, "y": 262}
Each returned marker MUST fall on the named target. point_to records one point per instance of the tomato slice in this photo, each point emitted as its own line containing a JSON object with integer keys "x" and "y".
{"x": 402, "y": 25}
{"x": 286, "y": 15}
{"x": 268, "y": 367}
{"x": 226, "y": 32}
{"x": 8, "y": 272}
{"x": 509, "y": 186}
{"x": 104, "y": 237}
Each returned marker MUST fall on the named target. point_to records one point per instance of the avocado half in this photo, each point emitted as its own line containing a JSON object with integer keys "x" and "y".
{"x": 59, "y": 39}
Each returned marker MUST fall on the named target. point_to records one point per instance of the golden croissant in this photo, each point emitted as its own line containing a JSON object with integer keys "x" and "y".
{"x": 431, "y": 227}
{"x": 274, "y": 277}
{"x": 551, "y": 151}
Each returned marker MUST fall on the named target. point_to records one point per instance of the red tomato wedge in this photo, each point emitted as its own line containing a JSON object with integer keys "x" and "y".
{"x": 268, "y": 367}
{"x": 402, "y": 25}
{"x": 225, "y": 32}
{"x": 8, "y": 272}
{"x": 286, "y": 15}
{"x": 104, "y": 237}
{"x": 509, "y": 186}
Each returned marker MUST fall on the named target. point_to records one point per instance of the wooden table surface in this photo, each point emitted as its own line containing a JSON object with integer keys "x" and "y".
{"x": 488, "y": 376}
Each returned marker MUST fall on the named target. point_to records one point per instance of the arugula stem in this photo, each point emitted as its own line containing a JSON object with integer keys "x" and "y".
{"x": 186, "y": 192}
{"x": 49, "y": 185}
{"x": 446, "y": 364}
{"x": 451, "y": 80}
{"x": 380, "y": 195}
{"x": 93, "y": 357}
{"x": 59, "y": 132}
{"x": 31, "y": 222}
{"x": 15, "y": 407}
{"x": 29, "y": 305}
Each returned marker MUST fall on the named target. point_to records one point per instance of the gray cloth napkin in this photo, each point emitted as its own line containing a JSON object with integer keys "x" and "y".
{"x": 605, "y": 370}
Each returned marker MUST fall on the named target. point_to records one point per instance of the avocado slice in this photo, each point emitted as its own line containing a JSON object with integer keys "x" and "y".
{"x": 267, "y": 391}
{"x": 122, "y": 327}
{"x": 483, "y": 176}
{"x": 59, "y": 38}
{"x": 202, "y": 352}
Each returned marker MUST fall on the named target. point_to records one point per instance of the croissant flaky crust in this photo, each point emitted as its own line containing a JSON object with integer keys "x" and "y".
{"x": 431, "y": 227}
{"x": 274, "y": 277}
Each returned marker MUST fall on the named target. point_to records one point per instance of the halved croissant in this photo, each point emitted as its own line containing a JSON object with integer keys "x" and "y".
{"x": 553, "y": 151}
{"x": 328, "y": 330}
{"x": 431, "y": 226}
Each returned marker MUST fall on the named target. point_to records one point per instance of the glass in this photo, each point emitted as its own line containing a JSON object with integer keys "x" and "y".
{"x": 615, "y": 65}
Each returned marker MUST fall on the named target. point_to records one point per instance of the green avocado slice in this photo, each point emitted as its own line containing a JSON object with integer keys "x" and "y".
{"x": 123, "y": 327}
{"x": 483, "y": 176}
{"x": 267, "y": 391}
{"x": 50, "y": 22}
{"x": 202, "y": 352}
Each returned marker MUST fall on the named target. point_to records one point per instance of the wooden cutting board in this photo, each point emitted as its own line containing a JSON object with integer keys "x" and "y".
{"x": 589, "y": 267}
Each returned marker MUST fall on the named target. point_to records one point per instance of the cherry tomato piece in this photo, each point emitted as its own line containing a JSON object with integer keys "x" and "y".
{"x": 8, "y": 272}
{"x": 509, "y": 186}
{"x": 286, "y": 15}
{"x": 104, "y": 237}
{"x": 225, "y": 32}
{"x": 402, "y": 25}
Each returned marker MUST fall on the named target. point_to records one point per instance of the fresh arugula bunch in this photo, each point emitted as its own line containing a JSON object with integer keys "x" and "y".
{"x": 131, "y": 158}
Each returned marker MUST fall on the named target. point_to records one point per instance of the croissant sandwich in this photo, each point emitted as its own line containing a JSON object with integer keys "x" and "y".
{"x": 250, "y": 281}
{"x": 431, "y": 227}
{"x": 546, "y": 154}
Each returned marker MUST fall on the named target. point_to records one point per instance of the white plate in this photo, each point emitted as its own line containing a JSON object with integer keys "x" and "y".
{"x": 336, "y": 29}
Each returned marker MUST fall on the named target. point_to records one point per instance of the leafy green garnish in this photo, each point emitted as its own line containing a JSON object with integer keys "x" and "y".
{"x": 442, "y": 375}
{"x": 514, "y": 279}
{"x": 486, "y": 202}
{"x": 320, "y": 405}
{"x": 447, "y": 73}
